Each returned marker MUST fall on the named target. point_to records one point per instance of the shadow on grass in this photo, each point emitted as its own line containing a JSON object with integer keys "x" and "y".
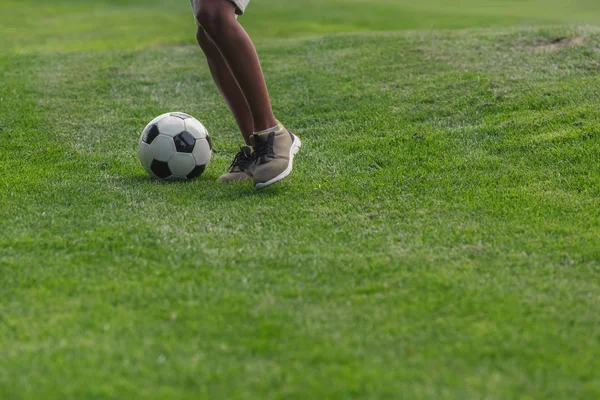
{"x": 205, "y": 187}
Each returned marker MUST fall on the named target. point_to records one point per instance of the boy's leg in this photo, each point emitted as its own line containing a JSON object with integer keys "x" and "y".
{"x": 217, "y": 18}
{"x": 227, "y": 85}
{"x": 235, "y": 101}
{"x": 274, "y": 146}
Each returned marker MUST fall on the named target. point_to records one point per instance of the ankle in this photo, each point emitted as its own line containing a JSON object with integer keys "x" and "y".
{"x": 266, "y": 125}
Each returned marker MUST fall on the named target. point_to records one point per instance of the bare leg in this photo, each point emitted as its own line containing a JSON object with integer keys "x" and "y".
{"x": 217, "y": 17}
{"x": 227, "y": 85}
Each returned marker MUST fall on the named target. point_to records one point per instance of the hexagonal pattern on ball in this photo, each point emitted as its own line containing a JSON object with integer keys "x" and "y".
{"x": 148, "y": 127}
{"x": 181, "y": 115}
{"x": 163, "y": 148}
{"x": 150, "y": 133}
{"x": 199, "y": 170}
{"x": 157, "y": 119}
{"x": 184, "y": 142}
{"x": 160, "y": 169}
{"x": 196, "y": 128}
{"x": 181, "y": 164}
{"x": 145, "y": 154}
{"x": 202, "y": 152}
{"x": 171, "y": 126}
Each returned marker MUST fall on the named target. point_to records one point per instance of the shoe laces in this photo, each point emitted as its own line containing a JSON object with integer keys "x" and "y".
{"x": 241, "y": 160}
{"x": 262, "y": 150}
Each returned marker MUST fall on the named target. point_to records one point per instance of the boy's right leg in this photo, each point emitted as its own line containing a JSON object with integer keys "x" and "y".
{"x": 236, "y": 102}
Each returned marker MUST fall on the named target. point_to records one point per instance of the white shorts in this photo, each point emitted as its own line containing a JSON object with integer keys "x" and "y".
{"x": 240, "y": 5}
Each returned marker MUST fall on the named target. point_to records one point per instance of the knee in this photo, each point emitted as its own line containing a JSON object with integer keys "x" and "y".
{"x": 206, "y": 44}
{"x": 215, "y": 21}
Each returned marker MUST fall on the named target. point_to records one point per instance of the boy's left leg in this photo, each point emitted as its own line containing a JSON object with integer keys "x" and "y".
{"x": 227, "y": 85}
{"x": 236, "y": 102}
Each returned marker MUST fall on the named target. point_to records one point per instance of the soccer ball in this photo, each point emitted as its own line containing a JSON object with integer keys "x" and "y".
{"x": 175, "y": 146}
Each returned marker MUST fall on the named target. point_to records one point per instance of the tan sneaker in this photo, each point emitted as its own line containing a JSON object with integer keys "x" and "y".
{"x": 273, "y": 157}
{"x": 237, "y": 169}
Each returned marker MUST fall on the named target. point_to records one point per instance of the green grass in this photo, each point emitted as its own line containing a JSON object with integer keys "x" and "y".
{"x": 437, "y": 240}
{"x": 59, "y": 25}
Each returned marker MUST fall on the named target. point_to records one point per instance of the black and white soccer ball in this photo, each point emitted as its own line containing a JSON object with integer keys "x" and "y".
{"x": 175, "y": 146}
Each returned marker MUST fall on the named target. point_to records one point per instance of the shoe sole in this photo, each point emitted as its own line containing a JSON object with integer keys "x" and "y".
{"x": 294, "y": 149}
{"x": 240, "y": 179}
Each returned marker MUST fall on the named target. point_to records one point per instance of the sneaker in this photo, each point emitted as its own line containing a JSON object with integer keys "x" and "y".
{"x": 237, "y": 169}
{"x": 273, "y": 157}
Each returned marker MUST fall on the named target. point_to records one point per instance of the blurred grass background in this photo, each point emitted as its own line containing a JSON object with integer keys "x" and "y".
{"x": 71, "y": 25}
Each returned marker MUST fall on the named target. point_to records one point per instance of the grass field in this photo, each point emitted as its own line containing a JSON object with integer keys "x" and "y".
{"x": 439, "y": 238}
